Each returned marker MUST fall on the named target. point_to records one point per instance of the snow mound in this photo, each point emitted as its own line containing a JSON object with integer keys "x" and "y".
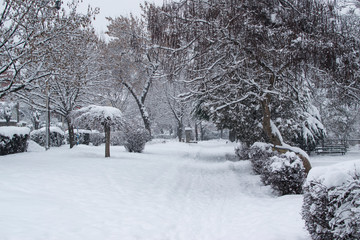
{"x": 52, "y": 129}
{"x": 34, "y": 147}
{"x": 10, "y": 131}
{"x": 335, "y": 175}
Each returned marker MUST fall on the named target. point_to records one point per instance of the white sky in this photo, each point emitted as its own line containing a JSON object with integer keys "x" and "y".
{"x": 112, "y": 8}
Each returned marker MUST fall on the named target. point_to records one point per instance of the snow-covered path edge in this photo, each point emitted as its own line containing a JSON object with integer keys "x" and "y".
{"x": 171, "y": 191}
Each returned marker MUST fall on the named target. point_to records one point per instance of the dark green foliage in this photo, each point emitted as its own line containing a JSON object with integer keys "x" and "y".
{"x": 16, "y": 144}
{"x": 135, "y": 139}
{"x": 259, "y": 154}
{"x": 284, "y": 173}
{"x": 242, "y": 151}
{"x": 117, "y": 138}
{"x": 39, "y": 136}
{"x": 332, "y": 213}
{"x": 97, "y": 138}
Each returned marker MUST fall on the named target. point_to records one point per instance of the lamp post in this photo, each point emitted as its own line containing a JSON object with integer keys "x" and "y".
{"x": 47, "y": 142}
{"x": 47, "y": 131}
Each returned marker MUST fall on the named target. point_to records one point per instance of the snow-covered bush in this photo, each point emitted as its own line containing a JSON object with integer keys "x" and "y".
{"x": 331, "y": 206}
{"x": 97, "y": 138}
{"x": 13, "y": 139}
{"x": 285, "y": 173}
{"x": 81, "y": 136}
{"x": 117, "y": 138}
{"x": 135, "y": 138}
{"x": 56, "y": 136}
{"x": 259, "y": 154}
{"x": 242, "y": 151}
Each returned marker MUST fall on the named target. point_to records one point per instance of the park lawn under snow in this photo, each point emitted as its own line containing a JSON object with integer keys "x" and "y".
{"x": 172, "y": 191}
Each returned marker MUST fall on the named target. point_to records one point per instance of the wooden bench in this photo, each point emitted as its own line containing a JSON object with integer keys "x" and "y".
{"x": 331, "y": 149}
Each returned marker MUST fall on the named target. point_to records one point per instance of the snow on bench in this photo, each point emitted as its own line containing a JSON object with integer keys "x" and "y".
{"x": 331, "y": 149}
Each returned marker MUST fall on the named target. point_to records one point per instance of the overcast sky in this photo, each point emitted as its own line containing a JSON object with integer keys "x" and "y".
{"x": 113, "y": 8}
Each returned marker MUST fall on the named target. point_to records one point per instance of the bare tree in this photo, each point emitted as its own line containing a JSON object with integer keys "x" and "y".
{"x": 26, "y": 29}
{"x": 134, "y": 62}
{"x": 71, "y": 58}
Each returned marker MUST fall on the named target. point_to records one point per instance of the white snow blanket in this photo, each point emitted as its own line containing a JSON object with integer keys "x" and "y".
{"x": 335, "y": 175}
{"x": 172, "y": 191}
{"x": 11, "y": 131}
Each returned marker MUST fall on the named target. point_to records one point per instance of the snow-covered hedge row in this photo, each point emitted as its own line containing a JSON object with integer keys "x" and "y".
{"x": 331, "y": 207}
{"x": 259, "y": 154}
{"x": 117, "y": 138}
{"x": 56, "y": 136}
{"x": 285, "y": 173}
{"x": 13, "y": 139}
{"x": 97, "y": 138}
{"x": 84, "y": 136}
{"x": 81, "y": 136}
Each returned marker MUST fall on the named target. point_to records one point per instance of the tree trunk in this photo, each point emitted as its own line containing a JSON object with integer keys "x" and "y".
{"x": 272, "y": 138}
{"x": 201, "y": 132}
{"x": 71, "y": 133}
{"x": 196, "y": 132}
{"x": 232, "y": 135}
{"x": 145, "y": 118}
{"x": 107, "y": 139}
{"x": 179, "y": 130}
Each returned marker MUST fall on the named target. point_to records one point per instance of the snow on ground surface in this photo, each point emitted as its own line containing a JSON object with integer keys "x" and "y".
{"x": 172, "y": 191}
{"x": 353, "y": 153}
{"x": 10, "y": 131}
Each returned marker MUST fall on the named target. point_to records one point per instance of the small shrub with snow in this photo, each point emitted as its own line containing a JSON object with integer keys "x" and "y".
{"x": 259, "y": 154}
{"x": 242, "y": 151}
{"x": 13, "y": 139}
{"x": 135, "y": 139}
{"x": 97, "y": 138}
{"x": 56, "y": 136}
{"x": 82, "y": 136}
{"x": 331, "y": 206}
{"x": 285, "y": 173}
{"x": 117, "y": 138}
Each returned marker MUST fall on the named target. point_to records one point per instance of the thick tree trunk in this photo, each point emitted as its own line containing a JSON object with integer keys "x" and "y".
{"x": 232, "y": 135}
{"x": 140, "y": 101}
{"x": 144, "y": 116}
{"x": 107, "y": 139}
{"x": 180, "y": 131}
{"x": 146, "y": 122}
{"x": 71, "y": 133}
{"x": 272, "y": 138}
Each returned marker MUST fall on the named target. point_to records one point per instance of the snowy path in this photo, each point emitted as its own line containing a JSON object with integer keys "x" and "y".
{"x": 172, "y": 191}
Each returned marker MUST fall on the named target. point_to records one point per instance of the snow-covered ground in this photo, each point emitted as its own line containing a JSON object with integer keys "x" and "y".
{"x": 172, "y": 191}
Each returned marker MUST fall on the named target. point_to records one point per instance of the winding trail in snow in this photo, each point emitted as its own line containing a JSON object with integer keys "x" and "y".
{"x": 172, "y": 191}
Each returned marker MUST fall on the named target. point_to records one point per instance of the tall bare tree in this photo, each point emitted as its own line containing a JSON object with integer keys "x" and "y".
{"x": 133, "y": 61}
